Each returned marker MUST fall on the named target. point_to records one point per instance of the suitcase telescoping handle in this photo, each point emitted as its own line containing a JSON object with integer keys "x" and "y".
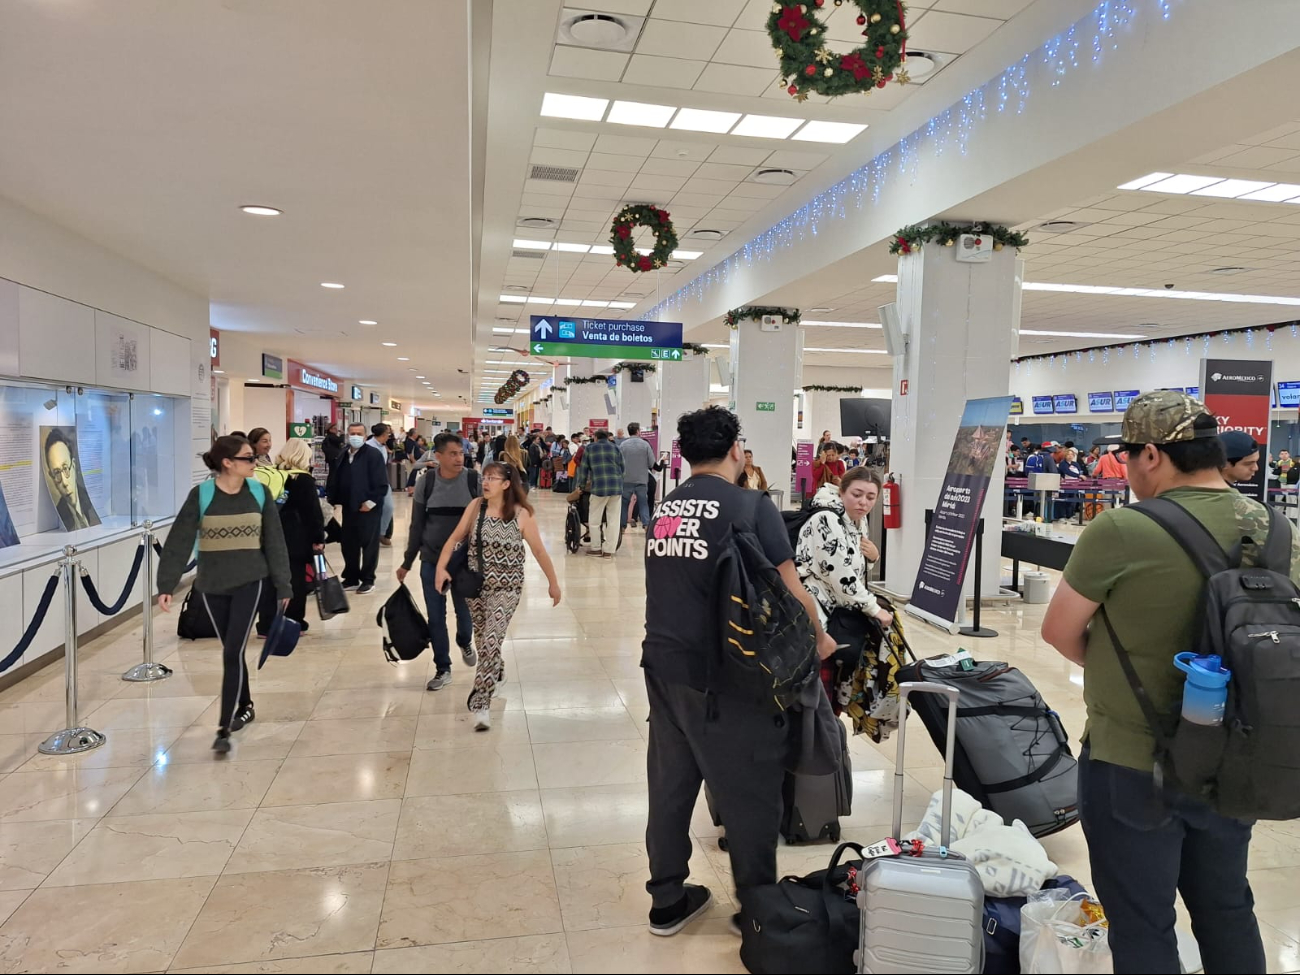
{"x": 905, "y": 690}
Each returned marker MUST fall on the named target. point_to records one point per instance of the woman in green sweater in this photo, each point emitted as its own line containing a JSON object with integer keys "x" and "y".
{"x": 240, "y": 545}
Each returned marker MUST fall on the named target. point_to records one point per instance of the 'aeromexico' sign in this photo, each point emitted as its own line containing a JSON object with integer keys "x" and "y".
{"x": 1237, "y": 392}
{"x": 310, "y": 378}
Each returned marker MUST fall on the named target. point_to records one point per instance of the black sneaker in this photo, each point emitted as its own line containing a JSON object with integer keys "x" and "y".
{"x": 439, "y": 681}
{"x": 735, "y": 926}
{"x": 242, "y": 717}
{"x": 365, "y": 588}
{"x": 667, "y": 921}
{"x": 222, "y": 743}
{"x": 351, "y": 586}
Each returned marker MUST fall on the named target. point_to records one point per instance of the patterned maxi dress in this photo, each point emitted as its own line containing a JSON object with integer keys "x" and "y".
{"x": 503, "y": 583}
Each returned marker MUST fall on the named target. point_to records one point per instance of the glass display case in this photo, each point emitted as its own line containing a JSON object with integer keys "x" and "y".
{"x": 78, "y": 464}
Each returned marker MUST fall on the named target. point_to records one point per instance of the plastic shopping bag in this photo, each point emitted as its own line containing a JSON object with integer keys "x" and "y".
{"x": 1057, "y": 938}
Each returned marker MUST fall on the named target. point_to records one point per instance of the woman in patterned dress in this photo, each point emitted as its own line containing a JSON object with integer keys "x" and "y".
{"x": 507, "y": 523}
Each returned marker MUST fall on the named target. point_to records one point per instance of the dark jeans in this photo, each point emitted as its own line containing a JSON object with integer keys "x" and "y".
{"x": 232, "y": 615}
{"x": 642, "y": 492}
{"x": 737, "y": 751}
{"x": 1144, "y": 848}
{"x": 361, "y": 545}
{"x": 435, "y": 604}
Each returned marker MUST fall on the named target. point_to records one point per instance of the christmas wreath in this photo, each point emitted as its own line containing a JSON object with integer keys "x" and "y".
{"x": 642, "y": 215}
{"x": 831, "y": 389}
{"x": 695, "y": 348}
{"x": 790, "y": 316}
{"x": 584, "y": 380}
{"x": 635, "y": 367}
{"x": 911, "y": 238}
{"x": 808, "y": 66}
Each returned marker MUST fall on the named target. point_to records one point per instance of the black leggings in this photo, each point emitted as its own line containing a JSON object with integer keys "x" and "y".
{"x": 232, "y": 616}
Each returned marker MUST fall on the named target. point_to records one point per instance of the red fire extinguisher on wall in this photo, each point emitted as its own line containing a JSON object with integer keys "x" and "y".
{"x": 893, "y": 504}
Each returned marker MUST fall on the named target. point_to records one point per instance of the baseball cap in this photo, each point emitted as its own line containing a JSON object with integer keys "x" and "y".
{"x": 1165, "y": 416}
{"x": 1237, "y": 444}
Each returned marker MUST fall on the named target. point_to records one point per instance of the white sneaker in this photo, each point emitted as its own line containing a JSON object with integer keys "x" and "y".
{"x": 482, "y": 720}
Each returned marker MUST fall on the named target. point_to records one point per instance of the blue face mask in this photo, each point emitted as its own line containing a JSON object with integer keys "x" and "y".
{"x": 356, "y": 442}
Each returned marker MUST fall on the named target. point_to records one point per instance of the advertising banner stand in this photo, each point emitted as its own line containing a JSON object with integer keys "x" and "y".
{"x": 1238, "y": 392}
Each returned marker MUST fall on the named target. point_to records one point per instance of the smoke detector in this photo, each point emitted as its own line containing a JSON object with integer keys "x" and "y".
{"x": 537, "y": 223}
{"x": 775, "y": 177}
{"x": 598, "y": 29}
{"x": 707, "y": 234}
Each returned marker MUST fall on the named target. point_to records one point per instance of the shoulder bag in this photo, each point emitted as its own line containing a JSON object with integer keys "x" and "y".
{"x": 466, "y": 581}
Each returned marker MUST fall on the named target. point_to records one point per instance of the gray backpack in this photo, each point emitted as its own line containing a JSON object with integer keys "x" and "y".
{"x": 1248, "y": 767}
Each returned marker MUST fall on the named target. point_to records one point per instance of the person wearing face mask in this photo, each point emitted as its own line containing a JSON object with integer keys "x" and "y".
{"x": 358, "y": 484}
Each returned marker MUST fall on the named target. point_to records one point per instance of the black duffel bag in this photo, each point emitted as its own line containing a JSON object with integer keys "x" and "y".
{"x": 193, "y": 622}
{"x": 803, "y": 924}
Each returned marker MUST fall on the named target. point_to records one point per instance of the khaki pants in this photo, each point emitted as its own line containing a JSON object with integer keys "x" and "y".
{"x": 603, "y": 522}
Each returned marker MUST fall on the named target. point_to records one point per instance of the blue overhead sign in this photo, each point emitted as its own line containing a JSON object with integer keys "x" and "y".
{"x": 604, "y": 338}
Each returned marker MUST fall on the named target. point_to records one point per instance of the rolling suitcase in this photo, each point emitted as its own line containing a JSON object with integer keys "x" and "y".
{"x": 921, "y": 913}
{"x": 815, "y": 803}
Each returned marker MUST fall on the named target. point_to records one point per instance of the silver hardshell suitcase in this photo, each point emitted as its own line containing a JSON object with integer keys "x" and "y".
{"x": 922, "y": 914}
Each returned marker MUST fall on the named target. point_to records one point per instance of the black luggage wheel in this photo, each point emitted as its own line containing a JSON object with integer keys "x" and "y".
{"x": 722, "y": 843}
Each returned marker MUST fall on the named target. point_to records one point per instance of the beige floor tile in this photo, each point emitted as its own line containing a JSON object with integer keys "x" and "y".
{"x": 595, "y": 815}
{"x": 31, "y": 796}
{"x": 29, "y": 851}
{"x": 277, "y": 707}
{"x": 451, "y": 700}
{"x": 125, "y": 927}
{"x": 324, "y": 835}
{"x": 261, "y": 741}
{"x": 177, "y": 685}
{"x": 352, "y": 963}
{"x": 198, "y": 788}
{"x": 453, "y": 899}
{"x": 626, "y": 667}
{"x": 131, "y": 748}
{"x": 707, "y": 946}
{"x": 456, "y": 730}
{"x": 581, "y": 724}
{"x": 377, "y": 676}
{"x": 37, "y": 718}
{"x": 254, "y": 917}
{"x": 304, "y": 780}
{"x": 567, "y": 765}
{"x": 543, "y": 954}
{"x": 15, "y": 750}
{"x": 370, "y": 702}
{"x": 485, "y": 822}
{"x": 10, "y": 901}
{"x": 163, "y": 712}
{"x": 353, "y": 736}
{"x": 547, "y": 695}
{"x": 445, "y": 771}
{"x": 164, "y": 847}
{"x": 537, "y": 668}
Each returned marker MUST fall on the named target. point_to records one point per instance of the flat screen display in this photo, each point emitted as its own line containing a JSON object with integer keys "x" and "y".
{"x": 1017, "y": 406}
{"x": 1288, "y": 394}
{"x": 1042, "y": 404}
{"x": 1101, "y": 402}
{"x": 1123, "y": 397}
{"x": 1065, "y": 403}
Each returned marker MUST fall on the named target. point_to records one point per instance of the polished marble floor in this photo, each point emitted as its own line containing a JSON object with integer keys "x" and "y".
{"x": 360, "y": 824}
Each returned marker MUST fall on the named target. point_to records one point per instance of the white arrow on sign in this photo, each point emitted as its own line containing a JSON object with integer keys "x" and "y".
{"x": 544, "y": 329}
{"x": 538, "y": 348}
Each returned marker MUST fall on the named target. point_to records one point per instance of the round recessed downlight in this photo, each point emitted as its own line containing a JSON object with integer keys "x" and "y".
{"x": 258, "y": 210}
{"x": 596, "y": 30}
{"x": 331, "y": 284}
{"x": 919, "y": 64}
{"x": 775, "y": 177}
{"x": 707, "y": 234}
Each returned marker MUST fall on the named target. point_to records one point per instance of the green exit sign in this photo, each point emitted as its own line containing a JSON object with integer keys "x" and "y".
{"x": 768, "y": 407}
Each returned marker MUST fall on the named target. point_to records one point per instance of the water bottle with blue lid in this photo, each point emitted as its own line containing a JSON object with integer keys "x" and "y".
{"x": 1205, "y": 692}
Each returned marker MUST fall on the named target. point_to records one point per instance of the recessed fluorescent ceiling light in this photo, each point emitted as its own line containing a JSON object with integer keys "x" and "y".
{"x": 419, "y": 377}
{"x": 367, "y": 321}
{"x": 1230, "y": 188}
{"x": 701, "y": 120}
{"x": 573, "y": 248}
{"x": 622, "y": 304}
{"x": 260, "y": 211}
{"x": 842, "y": 324}
{"x": 1096, "y": 289}
{"x": 533, "y": 245}
{"x": 512, "y": 299}
{"x": 390, "y": 345}
{"x": 886, "y": 279}
{"x": 540, "y": 301}
{"x": 767, "y": 126}
{"x": 504, "y": 331}
{"x": 640, "y": 113}
{"x": 1080, "y": 335}
{"x": 1277, "y": 193}
{"x": 595, "y": 304}
{"x": 605, "y": 249}
{"x": 1147, "y": 180}
{"x": 331, "y": 284}
{"x": 855, "y": 351}
{"x": 839, "y": 132}
{"x": 561, "y": 301}
{"x": 574, "y": 106}
{"x": 1181, "y": 183}
{"x": 687, "y": 255}
{"x": 403, "y": 358}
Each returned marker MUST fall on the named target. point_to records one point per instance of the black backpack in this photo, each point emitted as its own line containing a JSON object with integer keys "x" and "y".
{"x": 1248, "y": 767}
{"x": 406, "y": 632}
{"x": 795, "y": 520}
{"x": 768, "y": 644}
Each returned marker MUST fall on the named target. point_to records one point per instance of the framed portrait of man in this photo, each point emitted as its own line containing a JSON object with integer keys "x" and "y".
{"x": 61, "y": 468}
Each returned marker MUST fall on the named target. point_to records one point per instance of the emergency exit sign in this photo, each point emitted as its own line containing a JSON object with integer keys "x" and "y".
{"x": 765, "y": 407}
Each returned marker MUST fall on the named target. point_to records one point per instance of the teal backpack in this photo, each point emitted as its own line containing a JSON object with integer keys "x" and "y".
{"x": 208, "y": 490}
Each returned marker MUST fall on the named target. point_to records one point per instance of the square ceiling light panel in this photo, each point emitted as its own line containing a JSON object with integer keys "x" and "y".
{"x": 574, "y": 106}
{"x": 640, "y": 113}
{"x": 767, "y": 126}
{"x": 703, "y": 120}
{"x": 834, "y": 132}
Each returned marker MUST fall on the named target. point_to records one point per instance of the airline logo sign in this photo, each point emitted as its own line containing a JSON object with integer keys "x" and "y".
{"x": 1238, "y": 392}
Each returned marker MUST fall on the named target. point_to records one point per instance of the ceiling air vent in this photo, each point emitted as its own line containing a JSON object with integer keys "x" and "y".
{"x": 598, "y": 29}
{"x": 530, "y": 255}
{"x": 555, "y": 174}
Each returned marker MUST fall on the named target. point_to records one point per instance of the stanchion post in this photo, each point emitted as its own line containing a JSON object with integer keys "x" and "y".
{"x": 148, "y": 670}
{"x": 73, "y": 738}
{"x": 977, "y": 630}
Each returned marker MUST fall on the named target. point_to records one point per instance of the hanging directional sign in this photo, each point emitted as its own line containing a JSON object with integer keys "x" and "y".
{"x": 553, "y": 335}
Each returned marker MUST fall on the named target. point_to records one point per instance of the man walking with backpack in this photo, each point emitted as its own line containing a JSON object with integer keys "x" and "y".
{"x": 441, "y": 496}
{"x": 1134, "y": 595}
{"x": 703, "y": 727}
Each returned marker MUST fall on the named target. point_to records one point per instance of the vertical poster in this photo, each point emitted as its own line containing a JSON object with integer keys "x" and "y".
{"x": 803, "y": 465}
{"x": 936, "y": 595}
{"x": 64, "y": 480}
{"x": 1237, "y": 392}
{"x": 8, "y": 533}
{"x": 17, "y": 480}
{"x": 675, "y": 463}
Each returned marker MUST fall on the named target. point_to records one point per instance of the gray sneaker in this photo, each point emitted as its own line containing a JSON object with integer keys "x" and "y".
{"x": 440, "y": 680}
{"x": 468, "y": 655}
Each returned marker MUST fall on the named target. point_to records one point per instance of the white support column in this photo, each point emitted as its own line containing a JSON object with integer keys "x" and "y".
{"x": 961, "y": 321}
{"x": 636, "y": 400}
{"x": 587, "y": 401}
{"x": 765, "y": 370}
{"x": 683, "y": 388}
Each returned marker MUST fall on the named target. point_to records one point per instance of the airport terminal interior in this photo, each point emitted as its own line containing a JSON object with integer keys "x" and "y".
{"x": 927, "y": 254}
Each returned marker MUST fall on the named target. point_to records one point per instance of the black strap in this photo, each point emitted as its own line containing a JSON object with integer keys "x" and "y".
{"x": 1012, "y": 710}
{"x": 1135, "y": 682}
{"x": 1031, "y": 777}
{"x": 1195, "y": 539}
{"x": 1275, "y": 553}
{"x": 482, "y": 513}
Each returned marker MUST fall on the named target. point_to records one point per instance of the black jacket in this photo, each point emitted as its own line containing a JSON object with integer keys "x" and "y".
{"x": 333, "y": 447}
{"x": 301, "y": 518}
{"x": 358, "y": 478}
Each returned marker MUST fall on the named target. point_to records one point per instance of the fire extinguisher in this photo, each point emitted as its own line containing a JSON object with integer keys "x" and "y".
{"x": 893, "y": 504}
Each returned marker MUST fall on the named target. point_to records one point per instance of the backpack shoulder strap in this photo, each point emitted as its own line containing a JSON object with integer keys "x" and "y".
{"x": 475, "y": 489}
{"x": 258, "y": 490}
{"x": 1195, "y": 539}
{"x": 207, "y": 489}
{"x": 1275, "y": 552}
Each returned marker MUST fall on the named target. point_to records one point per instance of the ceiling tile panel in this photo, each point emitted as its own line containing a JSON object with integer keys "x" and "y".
{"x": 561, "y": 139}
{"x": 748, "y": 47}
{"x": 583, "y": 62}
{"x": 627, "y": 145}
{"x": 717, "y": 12}
{"x": 792, "y": 159}
{"x": 715, "y": 170}
{"x": 614, "y": 162}
{"x": 697, "y": 151}
{"x": 670, "y": 167}
{"x": 645, "y": 69}
{"x": 938, "y": 30}
{"x": 738, "y": 155}
{"x": 671, "y": 39}
{"x": 732, "y": 79}
{"x": 658, "y": 184}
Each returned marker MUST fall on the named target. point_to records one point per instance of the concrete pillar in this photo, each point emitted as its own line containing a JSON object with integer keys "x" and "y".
{"x": 560, "y": 400}
{"x": 961, "y": 320}
{"x": 683, "y": 387}
{"x": 765, "y": 370}
{"x": 587, "y": 401}
{"x": 636, "y": 400}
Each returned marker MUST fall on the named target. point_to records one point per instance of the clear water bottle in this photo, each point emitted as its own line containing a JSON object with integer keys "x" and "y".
{"x": 1205, "y": 692}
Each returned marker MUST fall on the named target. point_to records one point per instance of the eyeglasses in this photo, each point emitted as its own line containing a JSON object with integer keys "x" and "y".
{"x": 63, "y": 473}
{"x": 247, "y": 458}
{"x": 493, "y": 477}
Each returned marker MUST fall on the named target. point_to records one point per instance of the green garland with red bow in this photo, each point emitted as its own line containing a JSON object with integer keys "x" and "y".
{"x": 914, "y": 236}
{"x": 642, "y": 215}
{"x": 809, "y": 67}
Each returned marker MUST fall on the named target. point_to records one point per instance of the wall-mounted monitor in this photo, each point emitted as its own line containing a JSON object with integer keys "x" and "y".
{"x": 1065, "y": 403}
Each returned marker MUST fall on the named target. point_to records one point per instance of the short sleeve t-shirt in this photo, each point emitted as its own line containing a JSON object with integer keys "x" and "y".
{"x": 1152, "y": 593}
{"x": 682, "y": 545}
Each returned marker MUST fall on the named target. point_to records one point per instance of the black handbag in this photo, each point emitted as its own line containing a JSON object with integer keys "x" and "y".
{"x": 194, "y": 623}
{"x": 331, "y": 600}
{"x": 467, "y": 582}
{"x": 803, "y": 924}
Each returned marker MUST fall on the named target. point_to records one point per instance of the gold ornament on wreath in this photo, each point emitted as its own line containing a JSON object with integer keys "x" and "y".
{"x": 808, "y": 67}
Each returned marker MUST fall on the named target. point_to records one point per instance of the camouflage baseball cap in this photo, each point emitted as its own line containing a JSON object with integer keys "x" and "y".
{"x": 1165, "y": 416}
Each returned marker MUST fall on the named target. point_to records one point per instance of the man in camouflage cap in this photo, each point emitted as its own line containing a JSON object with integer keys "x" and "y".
{"x": 1145, "y": 846}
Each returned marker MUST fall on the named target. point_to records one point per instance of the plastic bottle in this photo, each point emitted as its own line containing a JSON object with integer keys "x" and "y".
{"x": 1205, "y": 693}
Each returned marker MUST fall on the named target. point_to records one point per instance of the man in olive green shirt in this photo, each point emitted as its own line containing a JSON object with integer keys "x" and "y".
{"x": 1145, "y": 846}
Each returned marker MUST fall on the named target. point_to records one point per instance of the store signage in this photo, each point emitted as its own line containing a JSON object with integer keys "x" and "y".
{"x": 937, "y": 594}
{"x": 1288, "y": 394}
{"x": 1042, "y": 404}
{"x": 272, "y": 366}
{"x": 394, "y": 405}
{"x": 309, "y": 378}
{"x": 675, "y": 461}
{"x": 374, "y": 399}
{"x": 804, "y": 452}
{"x": 214, "y": 347}
{"x": 1194, "y": 392}
{"x": 1123, "y": 397}
{"x": 552, "y": 335}
{"x": 1237, "y": 393}
{"x": 766, "y": 406}
{"x": 1065, "y": 403}
{"x": 1017, "y": 406}
{"x": 498, "y": 411}
{"x": 598, "y": 424}
{"x": 356, "y": 394}
{"x": 1101, "y": 402}
{"x": 300, "y": 431}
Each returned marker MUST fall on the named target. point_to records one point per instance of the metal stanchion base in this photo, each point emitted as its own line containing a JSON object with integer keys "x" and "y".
{"x": 142, "y": 673}
{"x": 71, "y": 741}
{"x": 983, "y": 631}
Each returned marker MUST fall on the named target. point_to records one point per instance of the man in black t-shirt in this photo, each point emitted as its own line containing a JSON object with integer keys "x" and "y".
{"x": 732, "y": 743}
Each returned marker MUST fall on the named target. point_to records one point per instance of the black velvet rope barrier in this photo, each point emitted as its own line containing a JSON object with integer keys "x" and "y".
{"x": 30, "y": 633}
{"x": 193, "y": 562}
{"x": 92, "y": 593}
